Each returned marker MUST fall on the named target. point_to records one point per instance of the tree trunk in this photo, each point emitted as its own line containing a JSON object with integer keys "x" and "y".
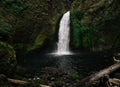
{"x": 21, "y": 82}
{"x": 95, "y": 77}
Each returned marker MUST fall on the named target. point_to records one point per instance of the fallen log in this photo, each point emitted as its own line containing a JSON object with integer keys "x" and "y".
{"x": 21, "y": 82}
{"x": 17, "y": 81}
{"x": 114, "y": 81}
{"x": 87, "y": 82}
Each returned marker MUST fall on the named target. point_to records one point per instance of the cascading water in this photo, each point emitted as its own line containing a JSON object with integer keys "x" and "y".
{"x": 64, "y": 35}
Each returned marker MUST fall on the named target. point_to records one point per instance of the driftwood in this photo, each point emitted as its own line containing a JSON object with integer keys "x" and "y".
{"x": 21, "y": 82}
{"x": 115, "y": 81}
{"x": 87, "y": 82}
{"x": 103, "y": 73}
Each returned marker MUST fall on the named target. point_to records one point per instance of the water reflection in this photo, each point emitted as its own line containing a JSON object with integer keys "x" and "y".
{"x": 65, "y": 62}
{"x": 84, "y": 64}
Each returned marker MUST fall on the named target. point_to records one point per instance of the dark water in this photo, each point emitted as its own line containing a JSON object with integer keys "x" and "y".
{"x": 83, "y": 63}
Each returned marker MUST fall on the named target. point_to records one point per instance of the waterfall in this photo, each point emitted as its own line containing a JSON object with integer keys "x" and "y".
{"x": 64, "y": 35}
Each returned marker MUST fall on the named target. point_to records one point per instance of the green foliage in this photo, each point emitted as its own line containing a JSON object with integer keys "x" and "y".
{"x": 95, "y": 23}
{"x": 76, "y": 29}
{"x": 40, "y": 40}
{"x": 76, "y": 4}
{"x": 3, "y": 81}
{"x": 58, "y": 84}
{"x": 5, "y": 27}
{"x": 102, "y": 41}
{"x": 7, "y": 57}
{"x": 15, "y": 6}
{"x": 5, "y": 30}
{"x": 73, "y": 76}
{"x": 31, "y": 19}
{"x": 77, "y": 34}
{"x": 82, "y": 36}
{"x": 89, "y": 37}
{"x": 7, "y": 52}
{"x": 116, "y": 23}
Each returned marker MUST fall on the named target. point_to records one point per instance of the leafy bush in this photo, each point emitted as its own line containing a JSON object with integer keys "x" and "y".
{"x": 7, "y": 58}
{"x": 82, "y": 36}
{"x": 15, "y": 6}
{"x": 5, "y": 30}
{"x": 76, "y": 4}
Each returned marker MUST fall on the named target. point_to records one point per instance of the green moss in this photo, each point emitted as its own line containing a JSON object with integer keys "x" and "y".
{"x": 39, "y": 42}
{"x": 97, "y": 5}
{"x": 15, "y": 6}
{"x": 94, "y": 24}
{"x": 76, "y": 4}
{"x": 3, "y": 81}
{"x": 5, "y": 30}
{"x": 82, "y": 36}
{"x": 73, "y": 76}
{"x": 102, "y": 41}
{"x": 58, "y": 84}
{"x": 7, "y": 57}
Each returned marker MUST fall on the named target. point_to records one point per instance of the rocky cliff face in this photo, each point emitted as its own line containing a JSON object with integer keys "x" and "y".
{"x": 31, "y": 23}
{"x": 26, "y": 25}
{"x": 41, "y": 18}
{"x": 46, "y": 14}
{"x": 95, "y": 23}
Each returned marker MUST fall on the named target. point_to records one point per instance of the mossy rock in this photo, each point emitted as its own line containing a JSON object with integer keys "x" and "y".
{"x": 39, "y": 42}
{"x": 7, "y": 58}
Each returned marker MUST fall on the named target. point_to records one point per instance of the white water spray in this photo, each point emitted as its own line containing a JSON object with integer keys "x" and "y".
{"x": 64, "y": 35}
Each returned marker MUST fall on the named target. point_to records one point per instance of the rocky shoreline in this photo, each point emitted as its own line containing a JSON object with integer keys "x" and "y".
{"x": 53, "y": 77}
